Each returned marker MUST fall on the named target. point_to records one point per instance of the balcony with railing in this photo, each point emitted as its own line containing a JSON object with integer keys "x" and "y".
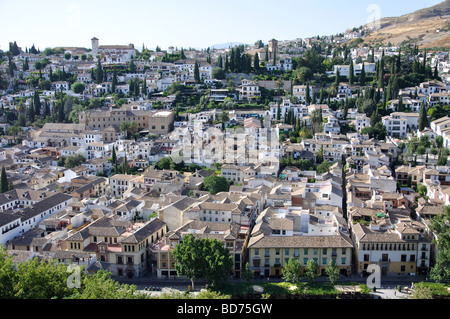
{"x": 10, "y": 228}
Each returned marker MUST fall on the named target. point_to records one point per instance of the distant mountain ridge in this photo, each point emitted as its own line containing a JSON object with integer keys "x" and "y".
{"x": 226, "y": 45}
{"x": 427, "y": 28}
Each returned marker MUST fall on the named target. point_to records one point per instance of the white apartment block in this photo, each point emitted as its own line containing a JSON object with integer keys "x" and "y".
{"x": 398, "y": 124}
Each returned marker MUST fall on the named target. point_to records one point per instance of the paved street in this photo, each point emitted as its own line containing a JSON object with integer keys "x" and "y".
{"x": 388, "y": 288}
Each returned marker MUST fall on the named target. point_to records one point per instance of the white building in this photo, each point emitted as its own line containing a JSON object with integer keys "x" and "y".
{"x": 15, "y": 224}
{"x": 362, "y": 121}
{"x": 398, "y": 124}
{"x": 248, "y": 90}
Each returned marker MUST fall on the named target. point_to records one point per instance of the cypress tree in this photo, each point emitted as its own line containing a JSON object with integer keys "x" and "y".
{"x": 227, "y": 64}
{"x": 232, "y": 61}
{"x": 278, "y": 111}
{"x": 144, "y": 88}
{"x": 37, "y": 103}
{"x": 307, "y": 94}
{"x": 237, "y": 60}
{"x": 114, "y": 156}
{"x": 337, "y": 79}
{"x": 381, "y": 73}
{"x": 436, "y": 72}
{"x": 25, "y": 65}
{"x": 362, "y": 76}
{"x": 136, "y": 88}
{"x": 423, "y": 119}
{"x": 46, "y": 109}
{"x": 125, "y": 165}
{"x": 99, "y": 73}
{"x": 196, "y": 73}
{"x": 61, "y": 109}
{"x": 394, "y": 87}
{"x": 4, "y": 184}
{"x": 424, "y": 65}
{"x": 31, "y": 112}
{"x": 350, "y": 75}
{"x": 400, "y": 104}
{"x": 256, "y": 63}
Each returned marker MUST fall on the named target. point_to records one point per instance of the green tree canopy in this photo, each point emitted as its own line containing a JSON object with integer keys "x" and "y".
{"x": 332, "y": 271}
{"x": 218, "y": 73}
{"x": 292, "y": 271}
{"x": 215, "y": 184}
{"x": 47, "y": 279}
{"x": 78, "y": 87}
{"x": 310, "y": 270}
{"x": 440, "y": 225}
{"x": 202, "y": 258}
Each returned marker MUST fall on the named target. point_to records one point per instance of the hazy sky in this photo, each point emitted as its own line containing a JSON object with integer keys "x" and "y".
{"x": 187, "y": 23}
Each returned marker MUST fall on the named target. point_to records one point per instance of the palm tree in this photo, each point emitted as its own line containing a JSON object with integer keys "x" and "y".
{"x": 124, "y": 127}
{"x": 133, "y": 128}
{"x": 320, "y": 155}
{"x": 305, "y": 133}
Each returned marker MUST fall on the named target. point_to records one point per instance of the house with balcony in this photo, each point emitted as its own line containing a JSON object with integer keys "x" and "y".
{"x": 121, "y": 247}
{"x": 396, "y": 243}
{"x": 232, "y": 235}
{"x": 276, "y": 237}
{"x": 396, "y": 125}
{"x": 248, "y": 90}
{"x": 120, "y": 183}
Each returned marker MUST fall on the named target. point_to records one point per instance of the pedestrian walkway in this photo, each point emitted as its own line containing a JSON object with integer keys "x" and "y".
{"x": 391, "y": 293}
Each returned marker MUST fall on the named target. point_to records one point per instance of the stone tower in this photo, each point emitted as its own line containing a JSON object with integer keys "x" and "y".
{"x": 95, "y": 46}
{"x": 273, "y": 48}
